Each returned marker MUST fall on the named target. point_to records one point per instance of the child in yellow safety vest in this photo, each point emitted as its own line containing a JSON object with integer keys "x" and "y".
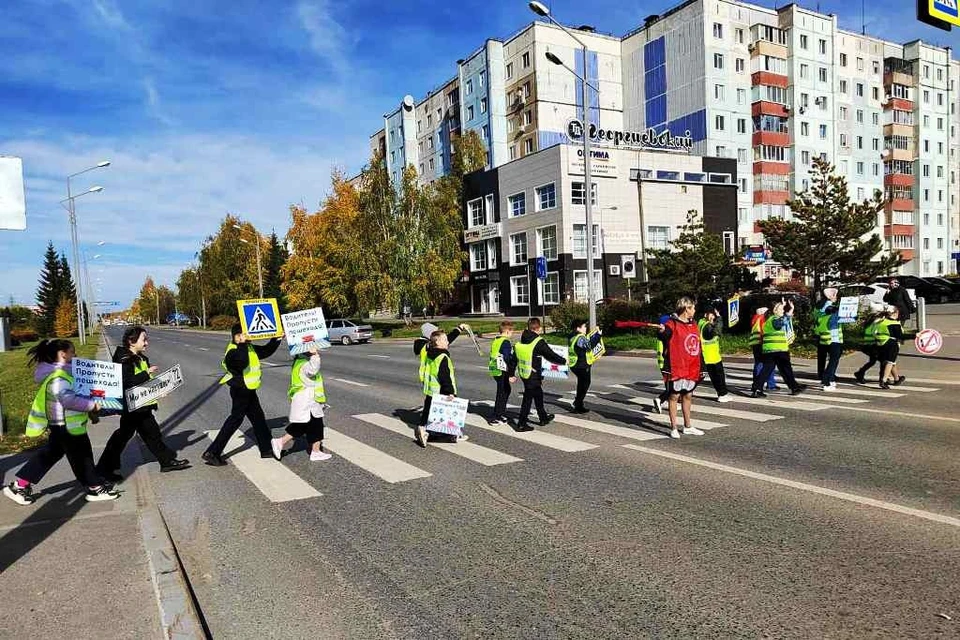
{"x": 307, "y": 399}
{"x": 581, "y": 361}
{"x": 889, "y": 336}
{"x": 502, "y": 368}
{"x": 438, "y": 377}
{"x": 531, "y": 352}
{"x": 63, "y": 414}
{"x": 709, "y": 326}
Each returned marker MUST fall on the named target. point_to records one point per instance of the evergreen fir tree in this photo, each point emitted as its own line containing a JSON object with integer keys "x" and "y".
{"x": 48, "y": 292}
{"x": 277, "y": 256}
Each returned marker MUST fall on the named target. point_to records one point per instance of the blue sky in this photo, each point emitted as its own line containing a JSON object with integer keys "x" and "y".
{"x": 213, "y": 106}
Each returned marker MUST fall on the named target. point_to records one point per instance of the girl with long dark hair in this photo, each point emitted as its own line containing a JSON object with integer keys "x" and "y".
{"x": 131, "y": 356}
{"x": 60, "y": 412}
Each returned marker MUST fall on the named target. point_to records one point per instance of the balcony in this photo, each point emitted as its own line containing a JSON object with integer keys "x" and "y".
{"x": 899, "y": 204}
{"x": 771, "y": 167}
{"x": 764, "y": 108}
{"x": 896, "y": 129}
{"x": 898, "y": 180}
{"x": 767, "y": 196}
{"x": 890, "y": 230}
{"x": 769, "y": 78}
{"x": 774, "y": 138}
{"x": 897, "y": 77}
{"x": 768, "y": 48}
{"x": 900, "y": 104}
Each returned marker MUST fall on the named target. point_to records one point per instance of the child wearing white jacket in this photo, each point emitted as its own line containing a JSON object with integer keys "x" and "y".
{"x": 307, "y": 399}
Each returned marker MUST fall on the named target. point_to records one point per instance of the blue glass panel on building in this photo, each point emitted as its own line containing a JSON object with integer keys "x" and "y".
{"x": 655, "y": 83}
{"x": 695, "y": 123}
{"x": 550, "y": 138}
{"x": 593, "y": 78}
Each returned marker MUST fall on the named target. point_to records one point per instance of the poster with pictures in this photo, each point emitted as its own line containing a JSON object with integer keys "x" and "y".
{"x": 849, "y": 307}
{"x": 100, "y": 380}
{"x": 305, "y": 329}
{"x": 556, "y": 371}
{"x": 447, "y": 416}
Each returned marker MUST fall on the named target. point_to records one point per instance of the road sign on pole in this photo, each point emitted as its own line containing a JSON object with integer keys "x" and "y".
{"x": 541, "y": 268}
{"x": 928, "y": 341}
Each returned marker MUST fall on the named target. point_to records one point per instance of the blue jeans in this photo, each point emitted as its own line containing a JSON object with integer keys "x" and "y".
{"x": 834, "y": 351}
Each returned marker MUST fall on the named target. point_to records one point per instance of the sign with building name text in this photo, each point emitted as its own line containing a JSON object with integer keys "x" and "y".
{"x": 478, "y": 234}
{"x": 305, "y": 330}
{"x": 945, "y": 10}
{"x": 157, "y": 387}
{"x": 601, "y": 164}
{"x": 100, "y": 380}
{"x": 649, "y": 139}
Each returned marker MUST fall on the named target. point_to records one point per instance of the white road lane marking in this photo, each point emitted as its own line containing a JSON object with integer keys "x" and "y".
{"x": 711, "y": 407}
{"x": 468, "y": 450}
{"x": 906, "y": 417}
{"x": 610, "y": 429}
{"x": 375, "y": 355}
{"x": 783, "y": 402}
{"x": 371, "y": 460}
{"x": 271, "y": 477}
{"x": 356, "y": 384}
{"x": 203, "y": 349}
{"x": 541, "y": 438}
{"x": 270, "y": 364}
{"x": 802, "y": 486}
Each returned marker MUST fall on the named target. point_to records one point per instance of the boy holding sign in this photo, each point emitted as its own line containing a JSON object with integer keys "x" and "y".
{"x": 582, "y": 357}
{"x": 531, "y": 352}
{"x": 438, "y": 379}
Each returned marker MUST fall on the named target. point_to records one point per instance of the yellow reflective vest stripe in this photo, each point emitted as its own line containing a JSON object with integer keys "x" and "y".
{"x": 297, "y": 385}
{"x": 37, "y": 423}
{"x": 431, "y": 382}
{"x": 493, "y": 365}
{"x": 573, "y": 358}
{"x": 710, "y": 349}
{"x": 251, "y": 375}
{"x": 525, "y": 357}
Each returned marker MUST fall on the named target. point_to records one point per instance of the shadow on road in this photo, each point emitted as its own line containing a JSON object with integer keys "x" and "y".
{"x": 40, "y": 525}
{"x": 184, "y": 412}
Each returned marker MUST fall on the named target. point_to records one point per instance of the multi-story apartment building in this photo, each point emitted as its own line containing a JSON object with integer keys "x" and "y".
{"x": 770, "y": 88}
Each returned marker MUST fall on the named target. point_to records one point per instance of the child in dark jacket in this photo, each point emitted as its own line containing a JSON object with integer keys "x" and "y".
{"x": 438, "y": 377}
{"x": 531, "y": 352}
{"x": 581, "y": 363}
{"x": 502, "y": 367}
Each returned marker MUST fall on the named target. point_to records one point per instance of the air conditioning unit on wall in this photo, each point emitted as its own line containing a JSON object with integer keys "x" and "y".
{"x": 614, "y": 269}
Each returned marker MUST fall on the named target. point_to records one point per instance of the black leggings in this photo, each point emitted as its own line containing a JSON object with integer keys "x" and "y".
{"x": 59, "y": 443}
{"x": 144, "y": 424}
{"x": 313, "y": 430}
{"x": 583, "y": 385}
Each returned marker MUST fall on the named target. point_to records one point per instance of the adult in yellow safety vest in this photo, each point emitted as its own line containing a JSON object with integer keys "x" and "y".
{"x": 777, "y": 336}
{"x": 439, "y": 379}
{"x": 132, "y": 358}
{"x": 889, "y": 336}
{"x": 307, "y": 399}
{"x": 581, "y": 360}
{"x": 58, "y": 411}
{"x": 502, "y": 367}
{"x": 241, "y": 362}
{"x": 873, "y": 332}
{"x": 531, "y": 352}
{"x": 709, "y": 326}
{"x": 829, "y": 339}
{"x": 756, "y": 345}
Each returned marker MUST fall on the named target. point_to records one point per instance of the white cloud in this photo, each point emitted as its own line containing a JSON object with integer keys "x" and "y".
{"x": 328, "y": 38}
{"x": 110, "y": 13}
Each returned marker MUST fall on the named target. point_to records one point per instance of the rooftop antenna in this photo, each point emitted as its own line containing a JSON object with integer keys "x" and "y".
{"x": 863, "y": 19}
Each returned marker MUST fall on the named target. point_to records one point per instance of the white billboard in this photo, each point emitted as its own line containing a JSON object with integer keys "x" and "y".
{"x": 13, "y": 208}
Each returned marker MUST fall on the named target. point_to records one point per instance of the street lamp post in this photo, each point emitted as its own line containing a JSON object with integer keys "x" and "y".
{"x": 257, "y": 246}
{"x": 69, "y": 204}
{"x": 541, "y": 10}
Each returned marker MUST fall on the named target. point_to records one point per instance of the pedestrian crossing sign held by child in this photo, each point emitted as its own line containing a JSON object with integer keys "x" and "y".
{"x": 260, "y": 318}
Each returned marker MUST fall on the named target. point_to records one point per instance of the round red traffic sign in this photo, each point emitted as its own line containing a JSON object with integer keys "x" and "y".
{"x": 928, "y": 341}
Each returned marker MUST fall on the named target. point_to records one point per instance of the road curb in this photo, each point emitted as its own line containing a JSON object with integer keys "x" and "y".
{"x": 179, "y": 617}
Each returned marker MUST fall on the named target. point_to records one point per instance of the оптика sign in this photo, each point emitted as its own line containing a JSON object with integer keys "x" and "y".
{"x": 649, "y": 139}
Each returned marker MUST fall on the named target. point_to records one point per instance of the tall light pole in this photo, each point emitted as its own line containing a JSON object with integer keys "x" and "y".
{"x": 256, "y": 244}
{"x": 69, "y": 203}
{"x": 541, "y": 10}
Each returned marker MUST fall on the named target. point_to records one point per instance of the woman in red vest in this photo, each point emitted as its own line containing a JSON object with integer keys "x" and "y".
{"x": 680, "y": 336}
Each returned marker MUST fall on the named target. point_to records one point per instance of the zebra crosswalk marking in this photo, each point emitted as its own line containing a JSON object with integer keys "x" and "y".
{"x": 777, "y": 402}
{"x": 274, "y": 480}
{"x": 468, "y": 450}
{"x": 710, "y": 409}
{"x": 541, "y": 438}
{"x": 609, "y": 429}
{"x": 663, "y": 419}
{"x": 371, "y": 460}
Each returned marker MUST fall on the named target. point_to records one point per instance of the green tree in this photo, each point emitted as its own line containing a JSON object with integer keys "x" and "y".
{"x": 65, "y": 324}
{"x": 146, "y": 302}
{"x": 189, "y": 298}
{"x": 229, "y": 266}
{"x": 168, "y": 302}
{"x": 830, "y": 239}
{"x": 276, "y": 257}
{"x": 695, "y": 265}
{"x": 48, "y": 291}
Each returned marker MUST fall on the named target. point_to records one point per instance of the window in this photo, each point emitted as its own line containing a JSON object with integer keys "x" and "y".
{"x": 876, "y": 144}
{"x": 860, "y": 116}
{"x": 859, "y": 64}
{"x": 721, "y": 152}
{"x": 804, "y": 70}
{"x": 509, "y": 70}
{"x": 517, "y": 204}
{"x": 718, "y": 92}
{"x": 876, "y": 68}
{"x": 926, "y": 121}
{"x": 741, "y": 125}
{"x": 742, "y": 156}
{"x": 822, "y": 101}
{"x": 823, "y": 74}
{"x": 469, "y": 113}
{"x": 939, "y": 219}
{"x": 939, "y": 124}
{"x": 803, "y": 41}
{"x": 939, "y": 99}
{"x": 859, "y": 142}
{"x": 804, "y": 99}
{"x": 658, "y": 237}
{"x": 483, "y": 105}
{"x": 519, "y": 290}
{"x": 860, "y": 193}
{"x": 843, "y": 59}
{"x": 804, "y": 129}
{"x": 577, "y": 193}
{"x": 551, "y": 288}
{"x": 469, "y": 87}
{"x": 823, "y": 132}
{"x": 860, "y": 168}
{"x": 481, "y": 78}
{"x": 822, "y": 45}
{"x": 875, "y": 118}
{"x": 475, "y": 213}
{"x": 718, "y": 123}
{"x": 844, "y": 142}
{"x": 741, "y": 96}
{"x": 527, "y": 117}
{"x": 717, "y": 30}
{"x": 926, "y": 243}
{"x": 926, "y": 171}
{"x": 431, "y": 164}
{"x": 547, "y": 242}
{"x": 518, "y": 249}
{"x": 939, "y": 171}
{"x": 843, "y": 113}
{"x": 843, "y": 86}
{"x": 926, "y": 97}
{"x": 859, "y": 89}
{"x": 525, "y": 60}
{"x": 738, "y": 34}
{"x": 770, "y": 153}
{"x": 478, "y": 256}
{"x": 718, "y": 61}
{"x": 546, "y": 195}
{"x": 805, "y": 157}
{"x": 580, "y": 285}
{"x": 580, "y": 241}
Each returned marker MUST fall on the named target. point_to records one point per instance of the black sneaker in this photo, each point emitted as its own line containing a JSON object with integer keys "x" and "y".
{"x": 858, "y": 376}
{"x": 900, "y": 380}
{"x": 175, "y": 465}
{"x": 20, "y": 495}
{"x": 523, "y": 426}
{"x": 213, "y": 459}
{"x": 547, "y": 419}
{"x": 797, "y": 390}
{"x": 579, "y": 410}
{"x": 102, "y": 494}
{"x": 111, "y": 476}
{"x": 757, "y": 393}
{"x": 884, "y": 385}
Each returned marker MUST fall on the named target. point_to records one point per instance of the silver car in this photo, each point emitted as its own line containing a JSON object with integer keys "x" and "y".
{"x": 347, "y": 332}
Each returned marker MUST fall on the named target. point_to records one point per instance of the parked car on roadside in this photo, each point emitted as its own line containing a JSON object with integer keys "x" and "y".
{"x": 953, "y": 285}
{"x": 347, "y": 332}
{"x": 931, "y": 292}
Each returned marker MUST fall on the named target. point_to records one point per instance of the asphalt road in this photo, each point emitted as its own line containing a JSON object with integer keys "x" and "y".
{"x": 818, "y": 516}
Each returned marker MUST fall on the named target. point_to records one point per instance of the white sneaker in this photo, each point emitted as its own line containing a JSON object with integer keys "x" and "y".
{"x": 20, "y": 495}
{"x": 277, "y": 445}
{"x": 101, "y": 494}
{"x": 463, "y": 437}
{"x": 675, "y": 434}
{"x": 319, "y": 456}
{"x": 693, "y": 431}
{"x": 830, "y": 387}
{"x": 724, "y": 398}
